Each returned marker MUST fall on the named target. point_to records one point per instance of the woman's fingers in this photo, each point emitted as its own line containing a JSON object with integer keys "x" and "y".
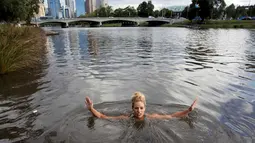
{"x": 88, "y": 100}
{"x": 194, "y": 104}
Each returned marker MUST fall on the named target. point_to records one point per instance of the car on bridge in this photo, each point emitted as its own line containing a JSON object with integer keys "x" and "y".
{"x": 244, "y": 18}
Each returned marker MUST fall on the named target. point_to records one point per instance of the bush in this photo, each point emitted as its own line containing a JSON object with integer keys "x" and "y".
{"x": 144, "y": 24}
{"x": 20, "y": 47}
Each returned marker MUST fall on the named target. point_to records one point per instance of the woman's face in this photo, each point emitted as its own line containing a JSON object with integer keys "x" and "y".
{"x": 139, "y": 109}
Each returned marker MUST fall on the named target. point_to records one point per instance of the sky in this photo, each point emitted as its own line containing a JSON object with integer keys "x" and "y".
{"x": 165, "y": 3}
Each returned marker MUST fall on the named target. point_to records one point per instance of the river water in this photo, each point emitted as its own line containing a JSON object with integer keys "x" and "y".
{"x": 171, "y": 66}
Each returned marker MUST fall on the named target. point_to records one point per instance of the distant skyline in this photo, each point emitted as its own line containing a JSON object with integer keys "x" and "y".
{"x": 163, "y": 3}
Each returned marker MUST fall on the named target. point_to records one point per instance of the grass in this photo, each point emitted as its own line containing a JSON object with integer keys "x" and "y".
{"x": 217, "y": 24}
{"x": 20, "y": 47}
{"x": 143, "y": 24}
{"x": 229, "y": 24}
{"x": 173, "y": 25}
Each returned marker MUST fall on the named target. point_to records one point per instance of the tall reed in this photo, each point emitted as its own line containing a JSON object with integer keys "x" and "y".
{"x": 20, "y": 47}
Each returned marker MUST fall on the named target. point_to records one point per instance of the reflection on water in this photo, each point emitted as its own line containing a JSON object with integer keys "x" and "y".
{"x": 169, "y": 65}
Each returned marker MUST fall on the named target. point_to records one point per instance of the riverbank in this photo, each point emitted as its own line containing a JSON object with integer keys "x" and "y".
{"x": 248, "y": 24}
{"x": 21, "y": 47}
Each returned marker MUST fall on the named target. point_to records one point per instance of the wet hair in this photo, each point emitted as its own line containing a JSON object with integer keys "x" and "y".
{"x": 136, "y": 97}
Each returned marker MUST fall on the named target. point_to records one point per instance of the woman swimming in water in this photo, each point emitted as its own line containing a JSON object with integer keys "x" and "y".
{"x": 138, "y": 107}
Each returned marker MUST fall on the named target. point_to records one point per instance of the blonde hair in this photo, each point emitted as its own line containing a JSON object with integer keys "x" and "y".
{"x": 136, "y": 97}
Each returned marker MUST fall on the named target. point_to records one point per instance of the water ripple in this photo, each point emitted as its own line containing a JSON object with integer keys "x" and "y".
{"x": 171, "y": 66}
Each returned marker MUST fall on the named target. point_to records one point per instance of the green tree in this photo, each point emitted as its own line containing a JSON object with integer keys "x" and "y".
{"x": 142, "y": 9}
{"x": 130, "y": 11}
{"x": 156, "y": 13}
{"x": 32, "y": 7}
{"x": 230, "y": 11}
{"x": 150, "y": 8}
{"x": 145, "y": 9}
{"x": 218, "y": 9}
{"x": 109, "y": 11}
{"x": 165, "y": 13}
{"x": 18, "y": 10}
{"x": 206, "y": 9}
{"x": 101, "y": 12}
{"x": 126, "y": 12}
{"x": 118, "y": 12}
{"x": 185, "y": 12}
{"x": 251, "y": 11}
{"x": 241, "y": 11}
{"x": 12, "y": 10}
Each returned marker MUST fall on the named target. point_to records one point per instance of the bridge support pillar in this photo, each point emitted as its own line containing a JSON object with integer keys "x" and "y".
{"x": 64, "y": 25}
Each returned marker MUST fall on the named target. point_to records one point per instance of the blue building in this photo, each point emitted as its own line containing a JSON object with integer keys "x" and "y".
{"x": 54, "y": 8}
{"x": 80, "y": 8}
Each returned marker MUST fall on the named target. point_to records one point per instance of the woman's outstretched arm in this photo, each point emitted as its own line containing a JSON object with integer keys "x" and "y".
{"x": 176, "y": 114}
{"x": 89, "y": 104}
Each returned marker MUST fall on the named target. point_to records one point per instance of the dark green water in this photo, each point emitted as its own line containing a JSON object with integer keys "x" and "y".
{"x": 171, "y": 66}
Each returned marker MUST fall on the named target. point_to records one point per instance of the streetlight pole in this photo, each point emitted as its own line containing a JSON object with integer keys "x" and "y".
{"x": 250, "y": 7}
{"x": 188, "y": 12}
{"x": 162, "y": 12}
{"x": 64, "y": 13}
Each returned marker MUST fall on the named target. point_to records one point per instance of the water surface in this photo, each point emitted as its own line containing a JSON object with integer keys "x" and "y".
{"x": 171, "y": 66}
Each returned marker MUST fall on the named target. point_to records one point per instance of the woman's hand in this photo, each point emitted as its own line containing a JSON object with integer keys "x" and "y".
{"x": 89, "y": 103}
{"x": 193, "y": 105}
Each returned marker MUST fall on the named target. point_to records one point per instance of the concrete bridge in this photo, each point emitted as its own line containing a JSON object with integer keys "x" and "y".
{"x": 98, "y": 21}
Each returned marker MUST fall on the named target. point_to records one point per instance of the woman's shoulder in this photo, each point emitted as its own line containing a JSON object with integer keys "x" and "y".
{"x": 149, "y": 115}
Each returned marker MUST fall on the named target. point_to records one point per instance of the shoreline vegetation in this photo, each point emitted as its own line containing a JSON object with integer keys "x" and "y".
{"x": 248, "y": 24}
{"x": 21, "y": 48}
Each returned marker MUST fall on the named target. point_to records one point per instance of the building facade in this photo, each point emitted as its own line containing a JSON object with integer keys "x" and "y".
{"x": 54, "y": 8}
{"x": 88, "y": 6}
{"x": 177, "y": 10}
{"x": 98, "y": 4}
{"x": 70, "y": 6}
{"x": 66, "y": 12}
{"x": 41, "y": 11}
{"x": 91, "y": 6}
